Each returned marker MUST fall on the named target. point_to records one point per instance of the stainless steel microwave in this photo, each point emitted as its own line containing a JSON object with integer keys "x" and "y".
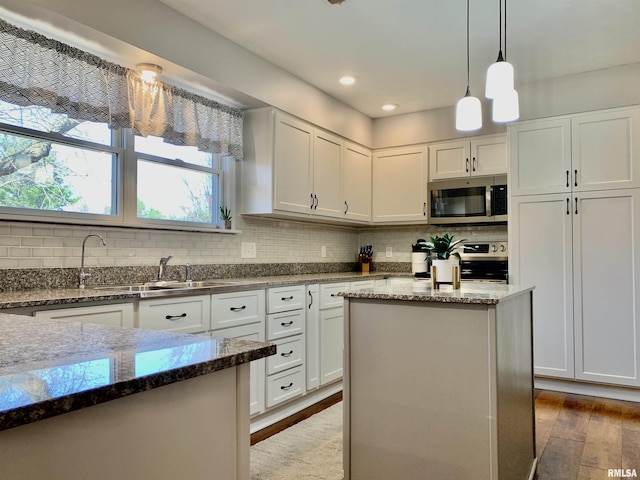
{"x": 468, "y": 200}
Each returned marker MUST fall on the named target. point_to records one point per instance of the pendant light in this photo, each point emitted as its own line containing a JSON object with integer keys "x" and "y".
{"x": 499, "y": 74}
{"x": 499, "y": 85}
{"x": 468, "y": 108}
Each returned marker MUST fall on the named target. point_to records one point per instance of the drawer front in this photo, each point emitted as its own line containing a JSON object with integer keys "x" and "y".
{"x": 285, "y": 385}
{"x": 235, "y": 309}
{"x": 290, "y": 353}
{"x": 283, "y": 299}
{"x": 280, "y": 325}
{"x": 329, "y": 297}
{"x": 186, "y": 315}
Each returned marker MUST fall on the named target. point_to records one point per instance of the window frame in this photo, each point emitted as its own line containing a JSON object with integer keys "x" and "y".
{"x": 124, "y": 193}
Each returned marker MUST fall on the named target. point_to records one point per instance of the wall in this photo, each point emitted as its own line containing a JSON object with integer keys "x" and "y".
{"x": 608, "y": 88}
{"x": 400, "y": 239}
{"x": 35, "y": 245}
{"x": 158, "y": 31}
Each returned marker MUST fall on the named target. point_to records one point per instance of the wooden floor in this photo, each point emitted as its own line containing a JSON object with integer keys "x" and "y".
{"x": 581, "y": 438}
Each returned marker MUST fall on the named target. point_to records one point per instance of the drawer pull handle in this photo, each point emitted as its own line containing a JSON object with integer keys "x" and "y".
{"x": 175, "y": 317}
{"x": 286, "y": 354}
{"x": 286, "y": 324}
{"x": 286, "y": 299}
{"x": 286, "y": 387}
{"x": 334, "y": 295}
{"x": 237, "y": 309}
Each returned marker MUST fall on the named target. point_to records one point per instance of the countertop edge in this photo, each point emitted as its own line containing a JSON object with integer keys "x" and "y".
{"x": 49, "y": 408}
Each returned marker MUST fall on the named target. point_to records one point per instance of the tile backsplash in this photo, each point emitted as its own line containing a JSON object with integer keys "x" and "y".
{"x": 50, "y": 253}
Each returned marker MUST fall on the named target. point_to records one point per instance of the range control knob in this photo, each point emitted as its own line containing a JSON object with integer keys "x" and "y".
{"x": 494, "y": 248}
{"x": 503, "y": 248}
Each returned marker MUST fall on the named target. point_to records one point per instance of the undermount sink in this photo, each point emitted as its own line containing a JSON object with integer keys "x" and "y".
{"x": 167, "y": 286}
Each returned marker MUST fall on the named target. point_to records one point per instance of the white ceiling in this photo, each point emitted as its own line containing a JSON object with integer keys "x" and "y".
{"x": 413, "y": 52}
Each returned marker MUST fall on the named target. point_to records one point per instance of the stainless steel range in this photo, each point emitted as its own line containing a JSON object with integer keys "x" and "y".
{"x": 484, "y": 262}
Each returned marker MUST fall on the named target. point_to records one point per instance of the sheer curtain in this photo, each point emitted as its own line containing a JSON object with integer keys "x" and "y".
{"x": 36, "y": 70}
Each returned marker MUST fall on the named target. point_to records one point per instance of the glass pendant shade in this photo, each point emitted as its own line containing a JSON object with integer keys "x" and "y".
{"x": 506, "y": 106}
{"x": 499, "y": 78}
{"x": 468, "y": 113}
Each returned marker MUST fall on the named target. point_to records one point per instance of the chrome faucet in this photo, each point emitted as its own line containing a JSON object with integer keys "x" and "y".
{"x": 162, "y": 268}
{"x": 83, "y": 274}
{"x": 187, "y": 273}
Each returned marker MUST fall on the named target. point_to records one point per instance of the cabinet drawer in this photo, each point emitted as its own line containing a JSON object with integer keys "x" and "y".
{"x": 360, "y": 284}
{"x": 184, "y": 315}
{"x": 290, "y": 353}
{"x": 116, "y": 315}
{"x": 283, "y": 299}
{"x": 235, "y": 309}
{"x": 285, "y": 385}
{"x": 280, "y": 325}
{"x": 329, "y": 297}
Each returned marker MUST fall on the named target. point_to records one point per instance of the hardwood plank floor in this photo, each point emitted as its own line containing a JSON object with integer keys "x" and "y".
{"x": 581, "y": 438}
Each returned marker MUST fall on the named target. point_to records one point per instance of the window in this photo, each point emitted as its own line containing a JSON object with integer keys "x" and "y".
{"x": 176, "y": 183}
{"x": 55, "y": 168}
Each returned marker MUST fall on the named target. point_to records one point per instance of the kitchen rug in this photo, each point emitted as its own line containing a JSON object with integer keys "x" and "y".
{"x": 308, "y": 450}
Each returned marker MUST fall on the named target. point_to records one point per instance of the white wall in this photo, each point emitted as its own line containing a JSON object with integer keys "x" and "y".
{"x": 155, "y": 28}
{"x": 613, "y": 87}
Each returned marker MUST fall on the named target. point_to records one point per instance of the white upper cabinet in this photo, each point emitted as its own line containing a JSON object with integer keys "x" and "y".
{"x": 603, "y": 146}
{"x": 294, "y": 169}
{"x": 327, "y": 182}
{"x": 356, "y": 182}
{"x": 293, "y": 143}
{"x": 468, "y": 158}
{"x": 583, "y": 152}
{"x": 400, "y": 185}
{"x": 540, "y": 154}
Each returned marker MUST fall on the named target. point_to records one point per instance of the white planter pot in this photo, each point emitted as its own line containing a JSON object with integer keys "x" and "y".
{"x": 444, "y": 269}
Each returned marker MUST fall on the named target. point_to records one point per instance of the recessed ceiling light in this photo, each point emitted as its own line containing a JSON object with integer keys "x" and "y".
{"x": 148, "y": 71}
{"x": 388, "y": 107}
{"x": 348, "y": 80}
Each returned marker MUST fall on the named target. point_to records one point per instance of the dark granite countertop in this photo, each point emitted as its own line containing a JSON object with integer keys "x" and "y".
{"x": 421, "y": 291}
{"x": 50, "y": 367}
{"x": 69, "y": 296}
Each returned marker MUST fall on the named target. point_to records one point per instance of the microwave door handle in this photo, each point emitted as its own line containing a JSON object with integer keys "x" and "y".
{"x": 489, "y": 196}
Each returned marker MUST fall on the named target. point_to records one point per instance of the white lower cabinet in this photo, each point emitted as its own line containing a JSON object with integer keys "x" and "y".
{"x": 331, "y": 344}
{"x": 313, "y": 336}
{"x": 582, "y": 253}
{"x": 179, "y": 315}
{"x": 286, "y": 328}
{"x": 242, "y": 315}
{"x": 115, "y": 315}
{"x": 285, "y": 385}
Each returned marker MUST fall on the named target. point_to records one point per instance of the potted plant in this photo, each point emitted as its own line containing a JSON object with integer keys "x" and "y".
{"x": 225, "y": 214}
{"x": 442, "y": 248}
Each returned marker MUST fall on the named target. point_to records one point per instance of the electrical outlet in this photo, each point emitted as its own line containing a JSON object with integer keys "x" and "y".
{"x": 323, "y": 251}
{"x": 389, "y": 252}
{"x": 248, "y": 250}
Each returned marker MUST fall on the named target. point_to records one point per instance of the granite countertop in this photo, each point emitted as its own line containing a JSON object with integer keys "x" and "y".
{"x": 65, "y": 296}
{"x": 50, "y": 367}
{"x": 420, "y": 291}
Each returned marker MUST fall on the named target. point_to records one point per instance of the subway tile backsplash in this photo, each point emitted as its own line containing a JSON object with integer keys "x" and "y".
{"x": 49, "y": 254}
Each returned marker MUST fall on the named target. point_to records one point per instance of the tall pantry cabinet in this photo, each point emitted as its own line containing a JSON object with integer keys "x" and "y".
{"x": 575, "y": 235}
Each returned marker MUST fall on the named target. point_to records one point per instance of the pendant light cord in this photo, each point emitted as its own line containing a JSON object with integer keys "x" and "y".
{"x": 467, "y": 47}
{"x": 505, "y": 30}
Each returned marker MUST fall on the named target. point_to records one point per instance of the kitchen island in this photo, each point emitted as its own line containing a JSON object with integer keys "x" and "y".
{"x": 438, "y": 384}
{"x": 86, "y": 401}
